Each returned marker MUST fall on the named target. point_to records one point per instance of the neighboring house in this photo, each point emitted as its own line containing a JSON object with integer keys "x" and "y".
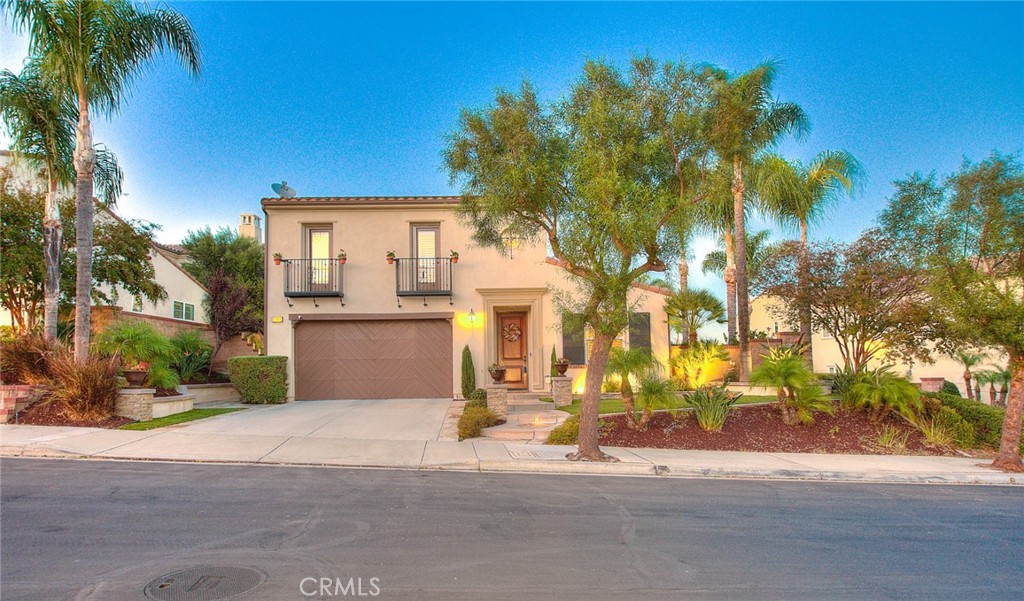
{"x": 827, "y": 358}
{"x": 373, "y": 330}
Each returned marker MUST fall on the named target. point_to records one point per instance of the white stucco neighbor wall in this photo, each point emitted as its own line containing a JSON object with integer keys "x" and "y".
{"x": 483, "y": 281}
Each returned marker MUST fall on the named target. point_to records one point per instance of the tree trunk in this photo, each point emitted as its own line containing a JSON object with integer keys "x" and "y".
{"x": 803, "y": 275}
{"x": 684, "y": 272}
{"x": 730, "y": 286}
{"x": 992, "y": 394}
{"x": 742, "y": 285}
{"x": 967, "y": 384}
{"x": 1009, "y": 444}
{"x": 1003, "y": 391}
{"x": 85, "y": 161}
{"x": 588, "y": 437}
{"x": 977, "y": 390}
{"x": 52, "y": 234}
{"x": 629, "y": 403}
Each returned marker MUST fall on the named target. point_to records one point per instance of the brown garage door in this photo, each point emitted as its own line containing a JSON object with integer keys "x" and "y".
{"x": 403, "y": 359}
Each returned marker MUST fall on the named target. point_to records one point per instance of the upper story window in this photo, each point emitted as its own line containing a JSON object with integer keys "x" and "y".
{"x": 426, "y": 246}
{"x": 318, "y": 248}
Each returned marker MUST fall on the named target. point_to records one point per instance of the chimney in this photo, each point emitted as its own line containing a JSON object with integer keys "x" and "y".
{"x": 249, "y": 227}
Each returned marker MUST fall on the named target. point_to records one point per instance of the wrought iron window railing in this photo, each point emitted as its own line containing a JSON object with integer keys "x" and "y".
{"x": 314, "y": 277}
{"x": 423, "y": 276}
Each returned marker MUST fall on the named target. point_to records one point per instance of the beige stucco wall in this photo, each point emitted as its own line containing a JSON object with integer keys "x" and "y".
{"x": 826, "y": 350}
{"x": 483, "y": 281}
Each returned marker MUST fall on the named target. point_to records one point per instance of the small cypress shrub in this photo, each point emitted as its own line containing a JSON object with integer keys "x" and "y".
{"x": 260, "y": 379}
{"x": 554, "y": 359}
{"x": 468, "y": 373}
{"x": 474, "y": 420}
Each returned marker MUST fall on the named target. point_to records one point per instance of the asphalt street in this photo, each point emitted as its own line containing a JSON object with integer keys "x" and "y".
{"x": 104, "y": 530}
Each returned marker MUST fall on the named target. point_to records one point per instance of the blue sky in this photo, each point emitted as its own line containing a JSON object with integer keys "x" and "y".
{"x": 346, "y": 98}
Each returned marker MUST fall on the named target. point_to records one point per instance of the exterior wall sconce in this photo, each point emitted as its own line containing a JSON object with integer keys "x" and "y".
{"x": 472, "y": 316}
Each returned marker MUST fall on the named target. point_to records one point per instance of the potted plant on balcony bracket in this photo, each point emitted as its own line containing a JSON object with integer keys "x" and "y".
{"x": 390, "y": 257}
{"x": 342, "y": 257}
{"x": 497, "y": 372}
{"x": 277, "y": 258}
{"x": 455, "y": 257}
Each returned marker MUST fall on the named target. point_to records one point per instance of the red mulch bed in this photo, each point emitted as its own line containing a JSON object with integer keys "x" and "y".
{"x": 760, "y": 428}
{"x": 45, "y": 413}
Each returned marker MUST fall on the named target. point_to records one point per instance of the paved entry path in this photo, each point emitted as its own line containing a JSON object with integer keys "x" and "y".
{"x": 390, "y": 419}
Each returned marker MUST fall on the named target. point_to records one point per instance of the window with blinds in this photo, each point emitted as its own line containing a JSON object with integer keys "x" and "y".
{"x": 426, "y": 245}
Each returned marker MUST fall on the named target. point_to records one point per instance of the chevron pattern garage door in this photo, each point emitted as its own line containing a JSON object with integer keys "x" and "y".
{"x": 403, "y": 359}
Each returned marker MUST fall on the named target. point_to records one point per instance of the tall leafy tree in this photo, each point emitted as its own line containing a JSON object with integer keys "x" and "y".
{"x": 39, "y": 119}
{"x": 94, "y": 49}
{"x": 803, "y": 194}
{"x": 967, "y": 233}
{"x": 592, "y": 177}
{"x": 121, "y": 262}
{"x": 240, "y": 258}
{"x": 747, "y": 121}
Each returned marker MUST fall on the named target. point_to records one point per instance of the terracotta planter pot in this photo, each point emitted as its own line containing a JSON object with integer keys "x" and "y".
{"x": 277, "y": 260}
{"x": 562, "y": 368}
{"x": 342, "y": 261}
{"x": 498, "y": 375}
{"x": 136, "y": 377}
{"x": 455, "y": 259}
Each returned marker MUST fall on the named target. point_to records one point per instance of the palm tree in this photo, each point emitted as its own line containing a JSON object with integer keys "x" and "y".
{"x": 625, "y": 363}
{"x": 794, "y": 192}
{"x": 695, "y": 309}
{"x": 1001, "y": 377}
{"x": 787, "y": 375}
{"x": 39, "y": 120}
{"x": 747, "y": 120}
{"x": 94, "y": 49}
{"x": 759, "y": 249}
{"x": 970, "y": 360}
{"x": 716, "y": 217}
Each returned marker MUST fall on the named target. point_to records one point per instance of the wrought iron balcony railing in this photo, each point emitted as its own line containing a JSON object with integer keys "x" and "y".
{"x": 423, "y": 276}
{"x": 314, "y": 278}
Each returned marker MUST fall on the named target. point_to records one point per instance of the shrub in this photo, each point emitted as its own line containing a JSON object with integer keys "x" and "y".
{"x": 24, "y": 359}
{"x": 568, "y": 432}
{"x": 86, "y": 390}
{"x": 786, "y": 371}
{"x": 699, "y": 363}
{"x": 711, "y": 405}
{"x": 961, "y": 429}
{"x": 162, "y": 376}
{"x": 892, "y": 438}
{"x": 881, "y": 390}
{"x": 950, "y": 388}
{"x": 986, "y": 419}
{"x": 474, "y": 420}
{"x": 478, "y": 395}
{"x": 809, "y": 400}
{"x": 136, "y": 343}
{"x": 468, "y": 373}
{"x": 260, "y": 379}
{"x": 477, "y": 403}
{"x": 554, "y": 359}
{"x": 192, "y": 355}
{"x": 843, "y": 380}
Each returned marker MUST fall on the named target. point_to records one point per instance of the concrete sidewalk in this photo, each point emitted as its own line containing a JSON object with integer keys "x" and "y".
{"x": 175, "y": 443}
{"x": 183, "y": 444}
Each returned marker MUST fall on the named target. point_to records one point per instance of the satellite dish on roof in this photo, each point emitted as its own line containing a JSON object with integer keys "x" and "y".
{"x": 282, "y": 190}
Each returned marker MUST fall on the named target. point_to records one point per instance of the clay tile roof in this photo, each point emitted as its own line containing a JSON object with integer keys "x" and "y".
{"x": 172, "y": 248}
{"x": 360, "y": 200}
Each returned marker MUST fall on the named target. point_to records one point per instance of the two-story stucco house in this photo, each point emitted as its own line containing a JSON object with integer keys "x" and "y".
{"x": 367, "y": 328}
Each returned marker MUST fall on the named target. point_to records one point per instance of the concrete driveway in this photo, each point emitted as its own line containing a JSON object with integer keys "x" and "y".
{"x": 390, "y": 419}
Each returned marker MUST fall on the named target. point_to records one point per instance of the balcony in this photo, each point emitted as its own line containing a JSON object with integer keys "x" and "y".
{"x": 423, "y": 277}
{"x": 313, "y": 278}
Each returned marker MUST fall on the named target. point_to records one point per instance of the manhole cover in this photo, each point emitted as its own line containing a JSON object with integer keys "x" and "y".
{"x": 205, "y": 584}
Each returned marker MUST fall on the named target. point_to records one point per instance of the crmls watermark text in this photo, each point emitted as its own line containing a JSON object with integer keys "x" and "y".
{"x": 339, "y": 587}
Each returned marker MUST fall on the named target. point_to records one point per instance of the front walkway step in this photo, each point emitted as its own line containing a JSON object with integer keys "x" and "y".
{"x": 530, "y": 406}
{"x": 527, "y": 426}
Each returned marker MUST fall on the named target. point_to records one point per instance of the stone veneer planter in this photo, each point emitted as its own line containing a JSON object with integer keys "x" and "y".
{"x": 140, "y": 404}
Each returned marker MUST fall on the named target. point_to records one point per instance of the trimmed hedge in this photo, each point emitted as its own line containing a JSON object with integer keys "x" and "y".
{"x": 986, "y": 419}
{"x": 475, "y": 419}
{"x": 950, "y": 388}
{"x": 568, "y": 432}
{"x": 260, "y": 379}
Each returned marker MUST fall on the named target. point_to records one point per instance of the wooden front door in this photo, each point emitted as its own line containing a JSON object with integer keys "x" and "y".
{"x": 512, "y": 348}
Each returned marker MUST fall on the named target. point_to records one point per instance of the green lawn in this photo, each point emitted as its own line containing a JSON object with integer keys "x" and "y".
{"x": 615, "y": 405}
{"x": 177, "y": 418}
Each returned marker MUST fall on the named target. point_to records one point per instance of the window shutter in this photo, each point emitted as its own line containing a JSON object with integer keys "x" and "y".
{"x": 640, "y": 330}
{"x": 573, "y": 345}
{"x": 179, "y": 310}
{"x": 190, "y": 312}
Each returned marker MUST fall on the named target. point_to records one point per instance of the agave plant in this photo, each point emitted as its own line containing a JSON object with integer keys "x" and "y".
{"x": 880, "y": 390}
